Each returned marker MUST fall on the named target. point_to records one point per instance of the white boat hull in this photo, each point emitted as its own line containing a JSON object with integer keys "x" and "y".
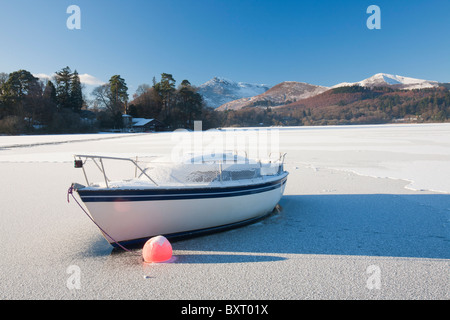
{"x": 135, "y": 215}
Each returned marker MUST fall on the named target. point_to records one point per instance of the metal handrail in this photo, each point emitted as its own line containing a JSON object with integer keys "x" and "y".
{"x": 102, "y": 169}
{"x": 281, "y": 156}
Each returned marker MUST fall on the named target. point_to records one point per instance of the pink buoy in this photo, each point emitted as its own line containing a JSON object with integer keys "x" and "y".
{"x": 157, "y": 249}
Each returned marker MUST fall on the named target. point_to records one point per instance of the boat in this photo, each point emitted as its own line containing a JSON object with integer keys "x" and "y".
{"x": 198, "y": 195}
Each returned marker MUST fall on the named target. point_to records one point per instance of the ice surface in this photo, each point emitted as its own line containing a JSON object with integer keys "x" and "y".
{"x": 418, "y": 153}
{"x": 332, "y": 224}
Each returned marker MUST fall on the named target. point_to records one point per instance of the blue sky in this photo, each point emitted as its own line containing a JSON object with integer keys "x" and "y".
{"x": 257, "y": 41}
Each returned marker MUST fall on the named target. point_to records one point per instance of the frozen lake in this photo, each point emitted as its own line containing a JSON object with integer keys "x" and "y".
{"x": 356, "y": 196}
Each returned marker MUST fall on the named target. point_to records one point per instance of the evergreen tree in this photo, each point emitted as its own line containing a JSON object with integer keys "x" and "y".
{"x": 63, "y": 79}
{"x": 76, "y": 94}
{"x": 190, "y": 103}
{"x": 49, "y": 103}
{"x": 166, "y": 88}
{"x": 19, "y": 84}
{"x": 119, "y": 93}
{"x": 50, "y": 91}
{"x": 3, "y": 78}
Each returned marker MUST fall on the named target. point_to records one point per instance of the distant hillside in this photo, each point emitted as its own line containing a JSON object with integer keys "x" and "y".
{"x": 347, "y": 105}
{"x": 445, "y": 85}
{"x": 281, "y": 94}
{"x": 352, "y": 105}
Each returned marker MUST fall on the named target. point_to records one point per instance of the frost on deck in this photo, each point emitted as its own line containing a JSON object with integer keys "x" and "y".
{"x": 195, "y": 171}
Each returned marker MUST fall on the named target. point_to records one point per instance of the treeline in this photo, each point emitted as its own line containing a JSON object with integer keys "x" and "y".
{"x": 350, "y": 105}
{"x": 29, "y": 104}
{"x": 58, "y": 105}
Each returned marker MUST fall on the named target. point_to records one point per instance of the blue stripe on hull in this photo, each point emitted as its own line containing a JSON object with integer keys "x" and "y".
{"x": 176, "y": 194}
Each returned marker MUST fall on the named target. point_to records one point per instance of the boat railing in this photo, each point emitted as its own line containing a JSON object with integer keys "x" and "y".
{"x": 273, "y": 166}
{"x": 280, "y": 159}
{"x": 80, "y": 160}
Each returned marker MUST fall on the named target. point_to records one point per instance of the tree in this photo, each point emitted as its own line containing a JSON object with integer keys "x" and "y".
{"x": 63, "y": 79}
{"x": 33, "y": 105}
{"x": 112, "y": 98}
{"x": 102, "y": 98}
{"x": 190, "y": 103}
{"x": 69, "y": 90}
{"x": 3, "y": 78}
{"x": 50, "y": 91}
{"x": 76, "y": 92}
{"x": 119, "y": 93}
{"x": 49, "y": 106}
{"x": 19, "y": 85}
{"x": 141, "y": 89}
{"x": 146, "y": 103}
{"x": 166, "y": 88}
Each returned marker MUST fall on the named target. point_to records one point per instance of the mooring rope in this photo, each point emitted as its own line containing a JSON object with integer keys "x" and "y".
{"x": 70, "y": 192}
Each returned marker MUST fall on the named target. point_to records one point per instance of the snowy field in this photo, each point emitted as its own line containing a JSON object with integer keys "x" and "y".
{"x": 358, "y": 199}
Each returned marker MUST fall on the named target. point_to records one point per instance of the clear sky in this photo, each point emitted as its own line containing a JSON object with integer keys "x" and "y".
{"x": 257, "y": 41}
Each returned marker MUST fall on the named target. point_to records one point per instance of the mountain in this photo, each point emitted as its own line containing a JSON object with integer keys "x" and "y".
{"x": 351, "y": 105}
{"x": 393, "y": 81}
{"x": 279, "y": 95}
{"x": 218, "y": 91}
{"x": 299, "y": 93}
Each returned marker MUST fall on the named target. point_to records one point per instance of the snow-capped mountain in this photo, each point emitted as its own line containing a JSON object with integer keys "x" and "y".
{"x": 224, "y": 94}
{"x": 398, "y": 82}
{"x": 281, "y": 94}
{"x": 218, "y": 91}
